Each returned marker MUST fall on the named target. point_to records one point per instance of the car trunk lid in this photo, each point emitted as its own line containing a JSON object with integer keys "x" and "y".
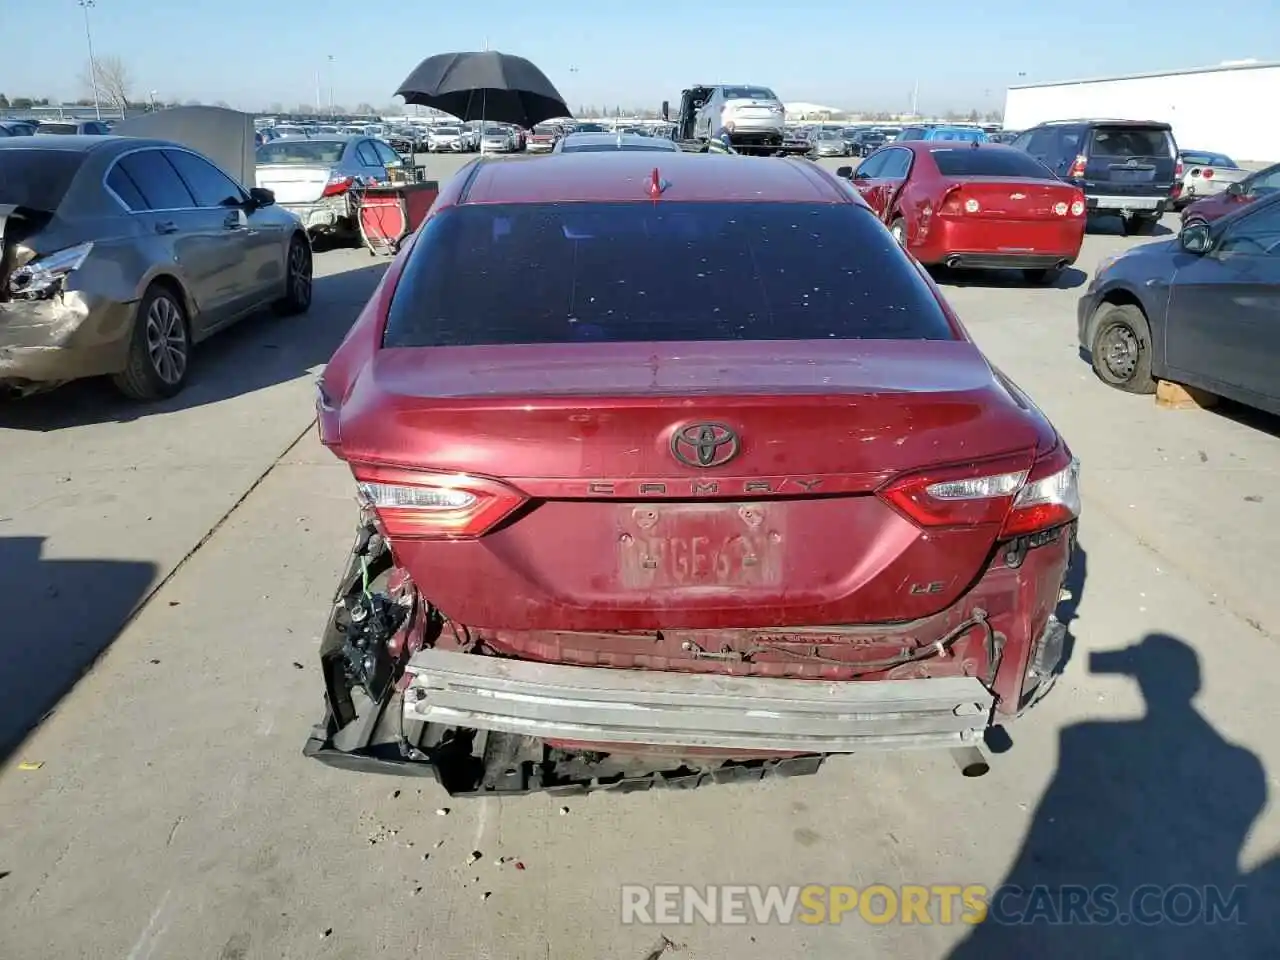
{"x": 1008, "y": 198}
{"x": 627, "y": 518}
{"x": 296, "y": 183}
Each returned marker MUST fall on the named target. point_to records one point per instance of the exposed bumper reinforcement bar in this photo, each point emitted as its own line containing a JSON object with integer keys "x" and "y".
{"x": 602, "y": 705}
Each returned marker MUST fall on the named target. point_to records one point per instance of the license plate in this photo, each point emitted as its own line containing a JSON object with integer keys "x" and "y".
{"x": 1132, "y": 176}
{"x": 674, "y": 546}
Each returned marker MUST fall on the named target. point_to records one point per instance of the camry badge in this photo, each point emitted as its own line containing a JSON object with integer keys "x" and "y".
{"x": 704, "y": 444}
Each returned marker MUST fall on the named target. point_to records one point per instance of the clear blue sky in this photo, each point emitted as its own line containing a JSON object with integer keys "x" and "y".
{"x": 628, "y": 52}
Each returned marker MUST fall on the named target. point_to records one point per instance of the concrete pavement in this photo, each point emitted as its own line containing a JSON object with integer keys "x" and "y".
{"x": 171, "y": 815}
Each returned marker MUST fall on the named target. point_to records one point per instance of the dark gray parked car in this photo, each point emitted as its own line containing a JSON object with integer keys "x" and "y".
{"x": 1201, "y": 309}
{"x": 117, "y": 254}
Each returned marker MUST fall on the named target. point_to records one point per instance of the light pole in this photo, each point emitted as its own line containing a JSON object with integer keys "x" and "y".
{"x": 93, "y": 63}
{"x": 331, "y": 86}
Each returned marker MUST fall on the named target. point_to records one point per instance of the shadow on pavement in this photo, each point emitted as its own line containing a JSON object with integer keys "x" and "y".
{"x": 1100, "y": 224}
{"x": 259, "y": 351}
{"x": 1134, "y": 850}
{"x": 1069, "y": 279}
{"x": 61, "y": 615}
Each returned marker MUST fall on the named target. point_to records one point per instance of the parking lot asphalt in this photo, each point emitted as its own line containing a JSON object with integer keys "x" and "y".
{"x": 163, "y": 808}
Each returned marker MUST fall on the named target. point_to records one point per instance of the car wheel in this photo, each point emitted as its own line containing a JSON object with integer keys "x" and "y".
{"x": 1121, "y": 348}
{"x": 299, "y": 270}
{"x": 159, "y": 348}
{"x": 898, "y": 227}
{"x": 1042, "y": 276}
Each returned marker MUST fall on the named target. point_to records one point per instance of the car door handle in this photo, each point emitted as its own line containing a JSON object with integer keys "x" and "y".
{"x": 166, "y": 226}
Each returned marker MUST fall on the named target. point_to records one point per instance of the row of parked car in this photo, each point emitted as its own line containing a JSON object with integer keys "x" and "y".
{"x": 1198, "y": 309}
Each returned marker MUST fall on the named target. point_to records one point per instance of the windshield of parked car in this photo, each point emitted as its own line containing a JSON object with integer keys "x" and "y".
{"x": 1129, "y": 142}
{"x": 37, "y": 179}
{"x": 627, "y": 272}
{"x": 448, "y": 132}
{"x": 829, "y": 135}
{"x": 1265, "y": 181}
{"x": 595, "y": 146}
{"x": 958, "y": 133}
{"x": 302, "y": 151}
{"x": 989, "y": 162}
{"x": 1208, "y": 159}
{"x": 61, "y": 129}
{"x": 748, "y": 93}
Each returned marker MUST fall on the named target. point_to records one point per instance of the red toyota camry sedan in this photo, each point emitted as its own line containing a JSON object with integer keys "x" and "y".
{"x": 673, "y": 471}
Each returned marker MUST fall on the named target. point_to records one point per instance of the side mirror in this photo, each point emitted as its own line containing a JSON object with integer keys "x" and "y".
{"x": 666, "y": 111}
{"x": 844, "y": 173}
{"x": 1235, "y": 189}
{"x": 261, "y": 196}
{"x": 1196, "y": 239}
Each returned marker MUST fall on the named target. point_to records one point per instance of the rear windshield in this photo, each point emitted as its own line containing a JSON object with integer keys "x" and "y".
{"x": 1129, "y": 142}
{"x": 61, "y": 129}
{"x": 1208, "y": 159}
{"x": 988, "y": 162}
{"x": 37, "y": 179}
{"x": 301, "y": 151}
{"x": 544, "y": 131}
{"x": 628, "y": 272}
{"x": 589, "y": 128}
{"x": 748, "y": 93}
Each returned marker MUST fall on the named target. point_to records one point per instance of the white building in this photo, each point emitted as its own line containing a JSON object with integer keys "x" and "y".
{"x": 1227, "y": 108}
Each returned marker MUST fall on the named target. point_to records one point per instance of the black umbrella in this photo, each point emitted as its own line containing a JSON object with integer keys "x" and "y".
{"x": 484, "y": 86}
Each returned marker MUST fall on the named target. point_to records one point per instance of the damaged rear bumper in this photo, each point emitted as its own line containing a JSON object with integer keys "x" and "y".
{"x": 737, "y": 713}
{"x": 70, "y": 336}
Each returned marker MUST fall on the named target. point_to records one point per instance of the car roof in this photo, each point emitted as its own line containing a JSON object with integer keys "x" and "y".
{"x": 623, "y": 175}
{"x": 1104, "y": 121}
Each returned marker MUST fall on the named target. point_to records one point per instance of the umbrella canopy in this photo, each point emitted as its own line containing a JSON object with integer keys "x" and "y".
{"x": 484, "y": 86}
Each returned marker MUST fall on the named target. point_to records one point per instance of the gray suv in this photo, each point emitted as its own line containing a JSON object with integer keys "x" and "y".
{"x": 1126, "y": 168}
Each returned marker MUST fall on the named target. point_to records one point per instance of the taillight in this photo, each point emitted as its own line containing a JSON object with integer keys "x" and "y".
{"x": 1077, "y": 167}
{"x": 435, "y": 506}
{"x": 952, "y": 204}
{"x": 43, "y": 277}
{"x": 1061, "y": 209}
{"x": 1177, "y": 170}
{"x": 1207, "y": 173}
{"x": 1022, "y": 501}
{"x": 1077, "y": 208}
{"x": 337, "y": 186}
{"x": 1049, "y": 498}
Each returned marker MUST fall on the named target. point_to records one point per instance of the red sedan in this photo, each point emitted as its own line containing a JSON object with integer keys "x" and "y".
{"x": 680, "y": 474}
{"x": 1261, "y": 184}
{"x": 974, "y": 205}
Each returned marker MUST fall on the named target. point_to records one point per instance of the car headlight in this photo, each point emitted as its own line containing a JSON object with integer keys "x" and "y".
{"x": 42, "y": 278}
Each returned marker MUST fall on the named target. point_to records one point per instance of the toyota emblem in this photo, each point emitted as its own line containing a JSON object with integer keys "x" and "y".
{"x": 704, "y": 444}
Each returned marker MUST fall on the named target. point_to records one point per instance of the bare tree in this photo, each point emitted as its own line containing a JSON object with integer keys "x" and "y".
{"x": 113, "y": 81}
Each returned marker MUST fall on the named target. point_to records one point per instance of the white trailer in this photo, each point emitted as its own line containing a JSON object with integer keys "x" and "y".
{"x": 1226, "y": 109}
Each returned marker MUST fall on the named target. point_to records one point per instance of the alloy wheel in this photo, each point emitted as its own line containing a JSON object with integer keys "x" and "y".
{"x": 300, "y": 274}
{"x": 167, "y": 340}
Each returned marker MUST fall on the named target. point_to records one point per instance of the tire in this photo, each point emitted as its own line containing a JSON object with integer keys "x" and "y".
{"x": 1140, "y": 226}
{"x": 898, "y": 227}
{"x": 299, "y": 273}
{"x": 1121, "y": 348}
{"x": 1042, "y": 276}
{"x": 159, "y": 347}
